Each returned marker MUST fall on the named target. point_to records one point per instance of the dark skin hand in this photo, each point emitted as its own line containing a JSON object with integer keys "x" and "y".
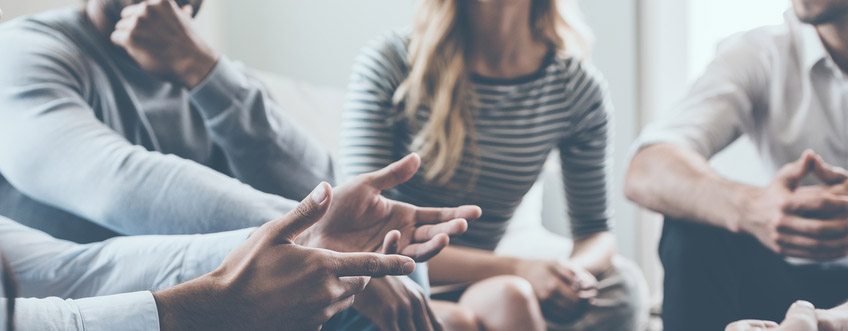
{"x": 361, "y": 217}
{"x": 396, "y": 303}
{"x": 271, "y": 283}
{"x": 160, "y": 37}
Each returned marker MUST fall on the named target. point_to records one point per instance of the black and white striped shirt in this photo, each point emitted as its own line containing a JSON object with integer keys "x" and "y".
{"x": 518, "y": 124}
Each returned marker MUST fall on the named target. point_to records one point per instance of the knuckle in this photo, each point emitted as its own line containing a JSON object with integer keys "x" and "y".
{"x": 372, "y": 265}
{"x": 303, "y": 210}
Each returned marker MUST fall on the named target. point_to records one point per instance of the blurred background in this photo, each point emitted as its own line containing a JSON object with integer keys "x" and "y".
{"x": 647, "y": 49}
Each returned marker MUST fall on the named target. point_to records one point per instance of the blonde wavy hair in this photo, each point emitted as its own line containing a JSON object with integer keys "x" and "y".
{"x": 438, "y": 78}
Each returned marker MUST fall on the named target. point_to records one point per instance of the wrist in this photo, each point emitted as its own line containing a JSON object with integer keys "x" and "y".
{"x": 194, "y": 69}
{"x": 194, "y": 305}
{"x": 747, "y": 210}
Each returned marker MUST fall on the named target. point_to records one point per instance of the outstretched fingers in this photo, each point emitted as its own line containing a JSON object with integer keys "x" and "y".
{"x": 436, "y": 215}
{"x": 396, "y": 173}
{"x": 429, "y": 231}
{"x": 424, "y": 251}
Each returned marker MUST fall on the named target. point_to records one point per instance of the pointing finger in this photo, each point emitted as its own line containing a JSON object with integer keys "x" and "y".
{"x": 372, "y": 264}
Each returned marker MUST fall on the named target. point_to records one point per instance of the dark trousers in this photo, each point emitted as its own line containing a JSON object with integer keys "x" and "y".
{"x": 714, "y": 277}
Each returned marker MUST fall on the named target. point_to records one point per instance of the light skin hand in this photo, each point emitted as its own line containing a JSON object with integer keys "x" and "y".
{"x": 160, "y": 37}
{"x": 834, "y": 319}
{"x": 360, "y": 218}
{"x": 271, "y": 283}
{"x": 801, "y": 316}
{"x": 806, "y": 222}
{"x": 561, "y": 287}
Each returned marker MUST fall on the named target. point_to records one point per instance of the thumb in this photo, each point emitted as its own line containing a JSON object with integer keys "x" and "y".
{"x": 801, "y": 316}
{"x": 792, "y": 174}
{"x": 309, "y": 211}
{"x": 827, "y": 173}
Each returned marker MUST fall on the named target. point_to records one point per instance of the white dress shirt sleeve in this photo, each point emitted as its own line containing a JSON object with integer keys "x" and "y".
{"x": 719, "y": 105}
{"x": 128, "y": 311}
{"x": 45, "y": 266}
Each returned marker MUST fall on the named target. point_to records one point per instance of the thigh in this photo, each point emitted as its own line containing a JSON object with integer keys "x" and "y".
{"x": 706, "y": 277}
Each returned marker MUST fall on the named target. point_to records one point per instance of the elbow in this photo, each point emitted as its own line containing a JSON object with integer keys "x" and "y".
{"x": 636, "y": 180}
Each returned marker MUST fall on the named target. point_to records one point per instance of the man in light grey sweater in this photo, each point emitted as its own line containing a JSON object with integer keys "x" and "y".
{"x": 135, "y": 126}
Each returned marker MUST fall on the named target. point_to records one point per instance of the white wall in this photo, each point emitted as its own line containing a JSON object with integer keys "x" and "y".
{"x": 314, "y": 41}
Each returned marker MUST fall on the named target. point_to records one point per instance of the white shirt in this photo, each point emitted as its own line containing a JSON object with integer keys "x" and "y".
{"x": 779, "y": 86}
{"x": 106, "y": 285}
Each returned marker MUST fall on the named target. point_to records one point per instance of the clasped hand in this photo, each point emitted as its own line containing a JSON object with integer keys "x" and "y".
{"x": 808, "y": 222}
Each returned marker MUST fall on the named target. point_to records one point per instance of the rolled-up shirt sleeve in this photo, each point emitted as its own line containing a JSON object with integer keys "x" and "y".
{"x": 127, "y": 311}
{"x": 718, "y": 106}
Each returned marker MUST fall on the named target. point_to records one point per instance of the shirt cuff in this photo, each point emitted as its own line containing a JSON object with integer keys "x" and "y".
{"x": 128, "y": 311}
{"x": 208, "y": 251}
{"x": 220, "y": 89}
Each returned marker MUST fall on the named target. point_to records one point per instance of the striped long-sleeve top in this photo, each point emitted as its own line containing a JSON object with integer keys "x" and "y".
{"x": 517, "y": 123}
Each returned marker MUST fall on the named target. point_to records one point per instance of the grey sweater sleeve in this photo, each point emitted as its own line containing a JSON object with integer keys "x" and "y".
{"x": 54, "y": 149}
{"x": 264, "y": 148}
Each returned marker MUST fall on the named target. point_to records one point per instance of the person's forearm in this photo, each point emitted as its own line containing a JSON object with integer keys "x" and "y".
{"x": 594, "y": 253}
{"x": 123, "y": 264}
{"x": 681, "y": 184}
{"x": 476, "y": 265}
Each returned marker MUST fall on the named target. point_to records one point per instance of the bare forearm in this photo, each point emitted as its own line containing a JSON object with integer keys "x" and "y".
{"x": 476, "y": 265}
{"x": 594, "y": 253}
{"x": 680, "y": 183}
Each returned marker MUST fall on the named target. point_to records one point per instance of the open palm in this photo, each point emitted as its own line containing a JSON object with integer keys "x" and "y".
{"x": 360, "y": 219}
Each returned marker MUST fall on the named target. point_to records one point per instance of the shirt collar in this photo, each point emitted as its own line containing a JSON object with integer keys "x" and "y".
{"x": 810, "y": 47}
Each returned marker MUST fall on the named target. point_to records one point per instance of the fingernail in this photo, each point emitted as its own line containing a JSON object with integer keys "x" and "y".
{"x": 805, "y": 304}
{"x": 319, "y": 194}
{"x": 409, "y": 265}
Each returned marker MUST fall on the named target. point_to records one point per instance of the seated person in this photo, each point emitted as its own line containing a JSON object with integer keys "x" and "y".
{"x": 271, "y": 260}
{"x": 118, "y": 119}
{"x": 485, "y": 90}
{"x": 734, "y": 251}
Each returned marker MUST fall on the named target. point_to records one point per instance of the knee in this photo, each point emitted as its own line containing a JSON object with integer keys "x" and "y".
{"x": 512, "y": 289}
{"x": 460, "y": 318}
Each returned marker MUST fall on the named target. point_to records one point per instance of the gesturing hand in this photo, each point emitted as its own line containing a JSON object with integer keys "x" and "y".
{"x": 360, "y": 218}
{"x": 270, "y": 283}
{"x": 561, "y": 287}
{"x": 159, "y": 36}
{"x": 807, "y": 222}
